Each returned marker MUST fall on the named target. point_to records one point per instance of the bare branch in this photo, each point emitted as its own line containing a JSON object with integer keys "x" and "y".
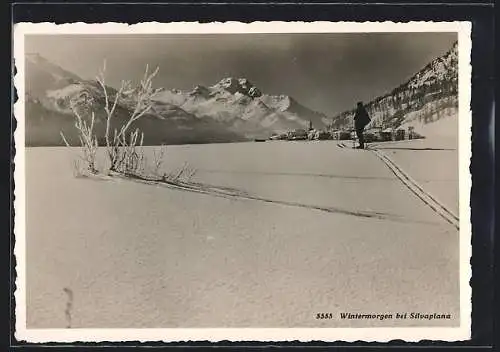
{"x": 64, "y": 139}
{"x": 124, "y": 148}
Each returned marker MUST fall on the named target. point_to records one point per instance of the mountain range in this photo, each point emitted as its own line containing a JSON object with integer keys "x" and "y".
{"x": 232, "y": 109}
{"x": 425, "y": 97}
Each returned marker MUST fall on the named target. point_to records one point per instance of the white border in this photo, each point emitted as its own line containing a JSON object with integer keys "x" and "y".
{"x": 250, "y": 334}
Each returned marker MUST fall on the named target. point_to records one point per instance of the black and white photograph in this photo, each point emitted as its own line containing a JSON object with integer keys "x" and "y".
{"x": 234, "y": 181}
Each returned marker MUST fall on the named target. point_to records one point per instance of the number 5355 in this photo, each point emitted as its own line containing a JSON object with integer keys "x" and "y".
{"x": 324, "y": 316}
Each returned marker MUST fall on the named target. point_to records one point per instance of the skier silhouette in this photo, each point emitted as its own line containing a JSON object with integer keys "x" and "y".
{"x": 361, "y": 119}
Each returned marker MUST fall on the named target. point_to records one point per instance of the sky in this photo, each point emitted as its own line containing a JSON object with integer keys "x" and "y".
{"x": 327, "y": 72}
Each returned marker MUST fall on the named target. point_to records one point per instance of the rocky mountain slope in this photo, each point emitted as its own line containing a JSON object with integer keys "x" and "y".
{"x": 428, "y": 95}
{"x": 244, "y": 108}
{"x": 230, "y": 110}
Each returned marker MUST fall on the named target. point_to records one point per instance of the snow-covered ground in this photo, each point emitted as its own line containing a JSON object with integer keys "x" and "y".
{"x": 441, "y": 129}
{"x": 433, "y": 161}
{"x": 334, "y": 231}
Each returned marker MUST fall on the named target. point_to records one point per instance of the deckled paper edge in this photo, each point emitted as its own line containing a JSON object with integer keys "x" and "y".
{"x": 249, "y": 334}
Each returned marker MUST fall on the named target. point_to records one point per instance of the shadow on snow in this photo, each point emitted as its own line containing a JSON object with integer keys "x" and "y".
{"x": 236, "y": 194}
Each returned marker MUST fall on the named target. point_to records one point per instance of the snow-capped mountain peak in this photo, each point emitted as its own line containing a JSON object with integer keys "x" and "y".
{"x": 237, "y": 85}
{"x": 229, "y": 110}
{"x": 43, "y": 75}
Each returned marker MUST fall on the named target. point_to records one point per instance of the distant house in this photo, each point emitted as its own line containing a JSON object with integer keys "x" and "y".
{"x": 319, "y": 135}
{"x": 400, "y": 134}
{"x": 387, "y": 134}
{"x": 297, "y": 135}
{"x": 277, "y": 137}
{"x": 374, "y": 134}
{"x": 311, "y": 135}
{"x": 323, "y": 135}
{"x": 340, "y": 135}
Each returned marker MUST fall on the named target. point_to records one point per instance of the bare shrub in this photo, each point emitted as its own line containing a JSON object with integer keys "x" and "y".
{"x": 122, "y": 148}
{"x": 184, "y": 174}
{"x": 88, "y": 140}
{"x": 130, "y": 155}
{"x": 158, "y": 158}
{"x": 77, "y": 168}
